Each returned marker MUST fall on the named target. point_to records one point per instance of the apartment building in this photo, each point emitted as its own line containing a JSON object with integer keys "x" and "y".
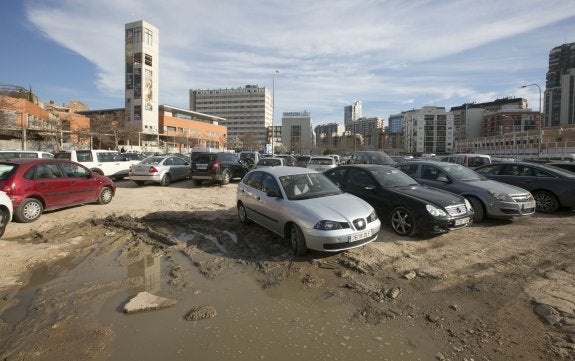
{"x": 297, "y": 132}
{"x": 428, "y": 130}
{"x": 559, "y": 96}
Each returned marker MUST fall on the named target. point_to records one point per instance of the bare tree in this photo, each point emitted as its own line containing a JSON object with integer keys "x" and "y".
{"x": 249, "y": 142}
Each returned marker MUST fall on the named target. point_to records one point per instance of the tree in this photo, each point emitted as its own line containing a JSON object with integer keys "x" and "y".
{"x": 111, "y": 129}
{"x": 249, "y": 142}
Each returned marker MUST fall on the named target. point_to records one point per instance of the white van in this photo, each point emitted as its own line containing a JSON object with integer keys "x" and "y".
{"x": 15, "y": 154}
{"x": 470, "y": 160}
{"x": 108, "y": 163}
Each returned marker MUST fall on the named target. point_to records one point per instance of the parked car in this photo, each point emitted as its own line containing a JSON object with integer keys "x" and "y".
{"x": 38, "y": 185}
{"x": 409, "y": 207}
{"x": 250, "y": 158}
{"x": 307, "y": 208}
{"x": 570, "y": 166}
{"x": 15, "y": 154}
{"x": 109, "y": 163}
{"x": 218, "y": 167}
{"x": 470, "y": 160}
{"x": 291, "y": 161}
{"x": 551, "y": 187}
{"x": 301, "y": 160}
{"x": 162, "y": 169}
{"x": 321, "y": 163}
{"x": 371, "y": 157}
{"x": 5, "y": 212}
{"x": 487, "y": 197}
{"x": 271, "y": 162}
{"x": 336, "y": 157}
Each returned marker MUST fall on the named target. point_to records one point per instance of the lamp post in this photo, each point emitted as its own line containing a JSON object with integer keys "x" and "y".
{"x": 540, "y": 120}
{"x": 273, "y": 107}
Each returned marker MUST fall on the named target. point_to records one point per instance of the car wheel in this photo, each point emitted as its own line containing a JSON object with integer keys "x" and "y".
{"x": 477, "y": 209}
{"x": 545, "y": 202}
{"x": 225, "y": 177}
{"x": 29, "y": 210}
{"x": 402, "y": 222}
{"x": 242, "y": 214}
{"x": 139, "y": 183}
{"x": 297, "y": 241}
{"x": 105, "y": 195}
{"x": 4, "y": 220}
{"x": 165, "y": 181}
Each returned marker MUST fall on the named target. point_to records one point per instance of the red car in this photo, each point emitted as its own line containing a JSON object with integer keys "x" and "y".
{"x": 36, "y": 185}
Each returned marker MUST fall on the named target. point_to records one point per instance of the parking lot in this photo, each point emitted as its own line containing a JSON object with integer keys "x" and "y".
{"x": 497, "y": 290}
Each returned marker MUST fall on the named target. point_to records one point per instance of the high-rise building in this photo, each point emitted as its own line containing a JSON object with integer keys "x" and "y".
{"x": 395, "y": 123}
{"x": 352, "y": 112}
{"x": 297, "y": 132}
{"x": 428, "y": 130}
{"x": 559, "y": 97}
{"x": 246, "y": 110}
{"x": 141, "y": 88}
{"x": 329, "y": 135}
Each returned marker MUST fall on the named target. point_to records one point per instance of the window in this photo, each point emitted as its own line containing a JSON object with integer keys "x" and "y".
{"x": 148, "y": 39}
{"x": 75, "y": 170}
{"x": 148, "y": 60}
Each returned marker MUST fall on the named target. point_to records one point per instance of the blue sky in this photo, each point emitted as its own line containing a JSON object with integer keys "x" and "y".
{"x": 392, "y": 55}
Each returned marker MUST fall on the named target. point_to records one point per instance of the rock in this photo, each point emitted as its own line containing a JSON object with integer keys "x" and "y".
{"x": 410, "y": 275}
{"x": 145, "y": 301}
{"x": 201, "y": 313}
{"x": 440, "y": 356}
{"x": 454, "y": 307}
{"x": 393, "y": 293}
{"x": 548, "y": 313}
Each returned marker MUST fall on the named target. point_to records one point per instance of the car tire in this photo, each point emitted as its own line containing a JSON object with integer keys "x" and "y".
{"x": 166, "y": 180}
{"x": 226, "y": 176}
{"x": 29, "y": 210}
{"x": 4, "y": 220}
{"x": 297, "y": 240}
{"x": 243, "y": 215}
{"x": 403, "y": 222}
{"x": 105, "y": 195}
{"x": 139, "y": 183}
{"x": 477, "y": 209}
{"x": 545, "y": 202}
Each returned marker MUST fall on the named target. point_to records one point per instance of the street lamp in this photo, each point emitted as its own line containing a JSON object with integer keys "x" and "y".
{"x": 273, "y": 107}
{"x": 540, "y": 120}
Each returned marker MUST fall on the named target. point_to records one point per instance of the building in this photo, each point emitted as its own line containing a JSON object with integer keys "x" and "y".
{"x": 328, "y": 136}
{"x": 141, "y": 87}
{"x": 297, "y": 132}
{"x": 368, "y": 128}
{"x": 247, "y": 110}
{"x": 560, "y": 86}
{"x": 352, "y": 112}
{"x": 428, "y": 130}
{"x": 395, "y": 123}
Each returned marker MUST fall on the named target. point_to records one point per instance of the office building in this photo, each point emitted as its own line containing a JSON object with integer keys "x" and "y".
{"x": 352, "y": 112}
{"x": 297, "y": 132}
{"x": 559, "y": 102}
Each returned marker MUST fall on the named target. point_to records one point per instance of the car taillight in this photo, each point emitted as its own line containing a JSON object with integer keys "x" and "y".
{"x": 8, "y": 188}
{"x": 153, "y": 170}
{"x": 216, "y": 166}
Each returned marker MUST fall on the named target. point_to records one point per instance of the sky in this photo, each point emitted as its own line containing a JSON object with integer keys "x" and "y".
{"x": 318, "y": 56}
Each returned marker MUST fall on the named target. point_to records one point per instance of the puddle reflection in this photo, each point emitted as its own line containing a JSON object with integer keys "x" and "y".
{"x": 149, "y": 268}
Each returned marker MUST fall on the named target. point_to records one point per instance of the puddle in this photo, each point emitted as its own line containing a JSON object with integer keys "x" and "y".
{"x": 280, "y": 323}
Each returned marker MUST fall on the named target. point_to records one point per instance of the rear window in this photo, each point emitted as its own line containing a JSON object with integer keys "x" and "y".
{"x": 6, "y": 170}
{"x": 203, "y": 158}
{"x": 64, "y": 155}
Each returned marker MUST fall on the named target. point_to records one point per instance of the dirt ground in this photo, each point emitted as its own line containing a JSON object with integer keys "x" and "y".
{"x": 498, "y": 290}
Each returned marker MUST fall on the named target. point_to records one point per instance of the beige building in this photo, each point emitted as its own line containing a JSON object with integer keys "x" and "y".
{"x": 297, "y": 132}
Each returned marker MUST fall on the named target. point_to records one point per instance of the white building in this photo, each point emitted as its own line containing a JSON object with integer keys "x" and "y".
{"x": 297, "y": 132}
{"x": 352, "y": 112}
{"x": 141, "y": 88}
{"x": 428, "y": 130}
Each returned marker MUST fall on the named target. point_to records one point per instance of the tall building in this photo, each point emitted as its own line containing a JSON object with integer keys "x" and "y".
{"x": 141, "y": 88}
{"x": 352, "y": 112}
{"x": 368, "y": 128}
{"x": 559, "y": 97}
{"x": 246, "y": 110}
{"x": 328, "y": 136}
{"x": 297, "y": 132}
{"x": 395, "y": 123}
{"x": 428, "y": 130}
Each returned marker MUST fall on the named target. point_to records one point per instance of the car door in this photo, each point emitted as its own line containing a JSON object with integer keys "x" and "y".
{"x": 83, "y": 186}
{"x": 434, "y": 177}
{"x": 181, "y": 168}
{"x": 361, "y": 183}
{"x": 51, "y": 184}
{"x": 269, "y": 207}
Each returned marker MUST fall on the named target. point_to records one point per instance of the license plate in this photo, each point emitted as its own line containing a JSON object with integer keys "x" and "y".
{"x": 530, "y": 204}
{"x": 201, "y": 166}
{"x": 359, "y": 236}
{"x": 459, "y": 222}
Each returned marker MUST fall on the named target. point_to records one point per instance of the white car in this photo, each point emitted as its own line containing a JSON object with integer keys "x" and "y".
{"x": 305, "y": 207}
{"x": 321, "y": 164}
{"x": 109, "y": 163}
{"x": 6, "y": 210}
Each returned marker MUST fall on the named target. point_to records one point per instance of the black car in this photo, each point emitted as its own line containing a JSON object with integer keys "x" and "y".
{"x": 371, "y": 157}
{"x": 551, "y": 187}
{"x": 400, "y": 201}
{"x": 218, "y": 167}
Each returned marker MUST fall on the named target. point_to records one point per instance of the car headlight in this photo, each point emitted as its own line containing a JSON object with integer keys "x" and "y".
{"x": 501, "y": 196}
{"x": 327, "y": 225}
{"x": 372, "y": 217}
{"x": 434, "y": 211}
{"x": 467, "y": 204}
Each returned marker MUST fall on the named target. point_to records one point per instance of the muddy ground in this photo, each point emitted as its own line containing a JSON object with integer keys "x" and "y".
{"x": 499, "y": 290}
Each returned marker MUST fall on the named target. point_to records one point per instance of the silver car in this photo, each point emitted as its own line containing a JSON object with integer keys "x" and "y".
{"x": 305, "y": 207}
{"x": 321, "y": 163}
{"x": 161, "y": 169}
{"x": 488, "y": 198}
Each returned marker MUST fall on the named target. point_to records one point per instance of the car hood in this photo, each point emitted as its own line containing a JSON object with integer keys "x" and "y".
{"x": 428, "y": 194}
{"x": 339, "y": 207}
{"x": 492, "y": 185}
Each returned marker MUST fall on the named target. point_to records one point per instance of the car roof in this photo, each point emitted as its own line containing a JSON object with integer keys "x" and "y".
{"x": 34, "y": 160}
{"x": 283, "y": 171}
{"x": 367, "y": 166}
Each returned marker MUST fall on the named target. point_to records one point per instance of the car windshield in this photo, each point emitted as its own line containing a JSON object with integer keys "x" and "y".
{"x": 390, "y": 177}
{"x": 308, "y": 185}
{"x": 321, "y": 161}
{"x": 462, "y": 173}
